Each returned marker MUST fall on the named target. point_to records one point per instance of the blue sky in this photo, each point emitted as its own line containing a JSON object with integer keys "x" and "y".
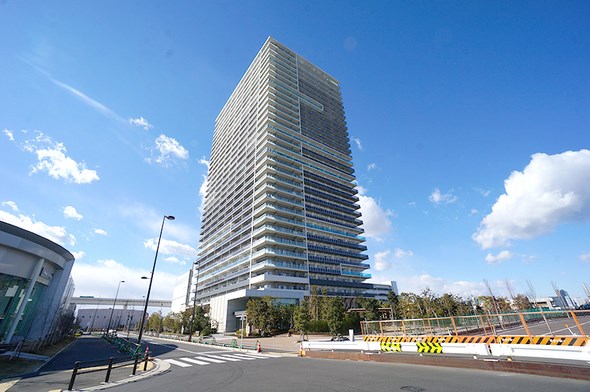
{"x": 469, "y": 125}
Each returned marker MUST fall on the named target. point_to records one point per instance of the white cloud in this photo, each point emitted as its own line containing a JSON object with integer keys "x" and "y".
{"x": 146, "y": 218}
{"x": 102, "y": 278}
{"x": 79, "y": 255}
{"x": 442, "y": 198}
{"x": 174, "y": 260}
{"x": 499, "y": 258}
{"x": 170, "y": 247}
{"x": 358, "y": 143}
{"x": 376, "y": 220}
{"x": 71, "y": 213}
{"x": 465, "y": 289}
{"x": 205, "y": 162}
{"x": 100, "y": 232}
{"x": 12, "y": 205}
{"x": 57, "y": 234}
{"x": 552, "y": 189}
{"x": 483, "y": 192}
{"x": 585, "y": 257}
{"x": 473, "y": 212}
{"x": 99, "y": 107}
{"x": 168, "y": 149}
{"x": 372, "y": 166}
{"x": 400, "y": 253}
{"x": 53, "y": 159}
{"x": 381, "y": 262}
{"x": 9, "y": 134}
{"x": 141, "y": 122}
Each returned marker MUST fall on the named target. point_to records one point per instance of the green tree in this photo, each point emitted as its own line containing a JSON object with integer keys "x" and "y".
{"x": 301, "y": 317}
{"x": 172, "y": 322}
{"x": 314, "y": 304}
{"x": 261, "y": 314}
{"x": 409, "y": 306}
{"x": 371, "y": 308}
{"x": 284, "y": 317}
{"x": 522, "y": 302}
{"x": 393, "y": 302}
{"x": 335, "y": 315}
{"x": 154, "y": 322}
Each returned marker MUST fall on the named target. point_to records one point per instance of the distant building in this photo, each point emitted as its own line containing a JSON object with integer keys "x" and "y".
{"x": 181, "y": 294}
{"x": 98, "y": 319}
{"x": 35, "y": 286}
{"x": 381, "y": 291}
{"x": 566, "y": 301}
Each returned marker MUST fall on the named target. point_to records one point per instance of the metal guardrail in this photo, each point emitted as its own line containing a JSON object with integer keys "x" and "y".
{"x": 534, "y": 323}
{"x": 103, "y": 365}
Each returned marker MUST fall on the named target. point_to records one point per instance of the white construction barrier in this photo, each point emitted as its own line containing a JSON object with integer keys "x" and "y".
{"x": 577, "y": 353}
{"x": 540, "y": 351}
{"x": 357, "y": 345}
{"x": 465, "y": 348}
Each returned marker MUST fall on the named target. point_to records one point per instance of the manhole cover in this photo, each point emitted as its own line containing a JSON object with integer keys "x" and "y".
{"x": 412, "y": 388}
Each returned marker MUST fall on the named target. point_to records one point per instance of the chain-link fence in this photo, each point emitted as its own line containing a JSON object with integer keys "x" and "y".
{"x": 534, "y": 323}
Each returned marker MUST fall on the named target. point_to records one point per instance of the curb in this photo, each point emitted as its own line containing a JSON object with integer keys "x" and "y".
{"x": 160, "y": 367}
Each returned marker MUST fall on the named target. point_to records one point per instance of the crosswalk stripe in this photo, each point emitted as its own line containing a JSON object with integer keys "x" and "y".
{"x": 256, "y": 355}
{"x": 238, "y": 358}
{"x": 209, "y": 359}
{"x": 250, "y": 356}
{"x": 225, "y": 358}
{"x": 192, "y": 360}
{"x": 178, "y": 363}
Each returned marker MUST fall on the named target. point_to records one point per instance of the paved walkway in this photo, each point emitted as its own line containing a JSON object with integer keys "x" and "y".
{"x": 56, "y": 373}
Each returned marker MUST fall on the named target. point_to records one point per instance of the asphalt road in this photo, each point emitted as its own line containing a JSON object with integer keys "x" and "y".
{"x": 207, "y": 369}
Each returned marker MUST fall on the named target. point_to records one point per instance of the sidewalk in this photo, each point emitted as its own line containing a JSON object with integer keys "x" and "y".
{"x": 56, "y": 373}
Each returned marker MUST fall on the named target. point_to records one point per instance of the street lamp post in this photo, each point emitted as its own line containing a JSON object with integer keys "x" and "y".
{"x": 147, "y": 298}
{"x": 190, "y": 336}
{"x": 113, "y": 309}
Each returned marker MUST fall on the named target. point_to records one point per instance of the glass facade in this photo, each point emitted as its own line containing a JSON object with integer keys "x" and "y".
{"x": 12, "y": 294}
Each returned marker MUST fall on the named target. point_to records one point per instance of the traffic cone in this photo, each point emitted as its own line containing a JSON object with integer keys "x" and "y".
{"x": 258, "y": 349}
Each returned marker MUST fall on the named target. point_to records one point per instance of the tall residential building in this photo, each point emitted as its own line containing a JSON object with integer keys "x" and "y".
{"x": 281, "y": 214}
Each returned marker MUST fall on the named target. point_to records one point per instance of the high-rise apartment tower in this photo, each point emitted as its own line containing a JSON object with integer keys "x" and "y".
{"x": 281, "y": 214}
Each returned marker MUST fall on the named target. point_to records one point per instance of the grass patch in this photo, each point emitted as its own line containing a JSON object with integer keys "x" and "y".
{"x": 10, "y": 368}
{"x": 17, "y": 366}
{"x": 50, "y": 351}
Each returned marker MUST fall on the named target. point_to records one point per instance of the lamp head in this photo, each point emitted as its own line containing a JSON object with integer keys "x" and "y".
{"x": 169, "y": 217}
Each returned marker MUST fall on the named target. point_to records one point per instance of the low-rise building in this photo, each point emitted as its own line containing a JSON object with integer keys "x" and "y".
{"x": 35, "y": 287}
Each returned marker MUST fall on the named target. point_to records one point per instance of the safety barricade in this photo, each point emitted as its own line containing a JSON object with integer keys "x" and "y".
{"x": 576, "y": 353}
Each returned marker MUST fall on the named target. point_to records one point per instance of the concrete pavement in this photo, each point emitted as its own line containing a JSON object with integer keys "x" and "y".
{"x": 56, "y": 373}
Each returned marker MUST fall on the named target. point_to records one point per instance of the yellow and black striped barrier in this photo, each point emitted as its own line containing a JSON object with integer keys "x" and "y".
{"x": 571, "y": 341}
{"x": 391, "y": 347}
{"x": 543, "y": 340}
{"x": 427, "y": 347}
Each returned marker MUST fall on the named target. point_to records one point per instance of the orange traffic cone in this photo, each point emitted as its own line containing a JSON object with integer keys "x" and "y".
{"x": 258, "y": 349}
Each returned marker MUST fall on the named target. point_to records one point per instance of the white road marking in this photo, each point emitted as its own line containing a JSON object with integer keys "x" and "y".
{"x": 209, "y": 359}
{"x": 178, "y": 363}
{"x": 192, "y": 360}
{"x": 251, "y": 356}
{"x": 238, "y": 358}
{"x": 225, "y": 358}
